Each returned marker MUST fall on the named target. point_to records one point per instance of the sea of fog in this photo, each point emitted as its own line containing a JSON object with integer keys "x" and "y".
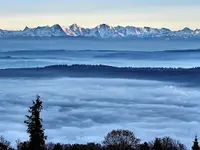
{"x": 84, "y": 102}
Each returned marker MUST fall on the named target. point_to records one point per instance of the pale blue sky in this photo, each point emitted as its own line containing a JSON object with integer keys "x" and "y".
{"x": 174, "y": 14}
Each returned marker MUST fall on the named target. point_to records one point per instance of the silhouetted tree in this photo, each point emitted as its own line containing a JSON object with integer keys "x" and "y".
{"x": 121, "y": 139}
{"x": 196, "y": 144}
{"x": 4, "y": 144}
{"x": 34, "y": 124}
{"x": 172, "y": 144}
{"x": 166, "y": 143}
{"x": 93, "y": 146}
{"x": 23, "y": 145}
{"x": 157, "y": 145}
{"x": 58, "y": 146}
{"x": 50, "y": 146}
{"x": 144, "y": 146}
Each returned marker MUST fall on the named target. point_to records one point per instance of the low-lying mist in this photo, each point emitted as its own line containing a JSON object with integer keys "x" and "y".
{"x": 81, "y": 110}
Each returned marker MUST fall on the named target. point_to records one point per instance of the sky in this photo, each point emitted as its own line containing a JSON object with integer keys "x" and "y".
{"x": 173, "y": 14}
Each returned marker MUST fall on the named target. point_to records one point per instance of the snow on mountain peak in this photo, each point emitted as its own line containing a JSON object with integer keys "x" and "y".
{"x": 186, "y": 29}
{"x": 103, "y": 26}
{"x": 102, "y": 31}
{"x": 76, "y": 30}
{"x": 56, "y": 26}
{"x": 74, "y": 26}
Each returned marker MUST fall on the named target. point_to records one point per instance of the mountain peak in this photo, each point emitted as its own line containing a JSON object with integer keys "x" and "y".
{"x": 103, "y": 31}
{"x": 56, "y": 26}
{"x": 104, "y": 26}
{"x": 41, "y": 27}
{"x": 26, "y": 28}
{"x": 166, "y": 29}
{"x": 74, "y": 26}
{"x": 186, "y": 29}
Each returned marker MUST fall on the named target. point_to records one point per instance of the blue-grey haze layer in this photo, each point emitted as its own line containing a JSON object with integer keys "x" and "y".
{"x": 85, "y": 101}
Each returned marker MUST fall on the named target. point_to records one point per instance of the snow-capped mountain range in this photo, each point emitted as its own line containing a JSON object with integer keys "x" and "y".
{"x": 101, "y": 31}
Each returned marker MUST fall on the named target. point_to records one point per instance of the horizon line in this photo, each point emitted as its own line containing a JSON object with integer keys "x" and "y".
{"x": 64, "y": 26}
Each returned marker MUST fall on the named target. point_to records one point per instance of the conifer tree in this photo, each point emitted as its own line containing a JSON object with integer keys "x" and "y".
{"x": 196, "y": 144}
{"x": 34, "y": 126}
{"x": 157, "y": 144}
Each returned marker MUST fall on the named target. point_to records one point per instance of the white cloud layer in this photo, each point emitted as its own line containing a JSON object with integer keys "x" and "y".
{"x": 81, "y": 110}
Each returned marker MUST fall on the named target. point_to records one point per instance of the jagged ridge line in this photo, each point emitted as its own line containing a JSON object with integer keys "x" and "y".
{"x": 102, "y": 31}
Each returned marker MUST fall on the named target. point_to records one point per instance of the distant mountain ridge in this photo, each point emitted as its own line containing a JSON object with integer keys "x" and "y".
{"x": 102, "y": 31}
